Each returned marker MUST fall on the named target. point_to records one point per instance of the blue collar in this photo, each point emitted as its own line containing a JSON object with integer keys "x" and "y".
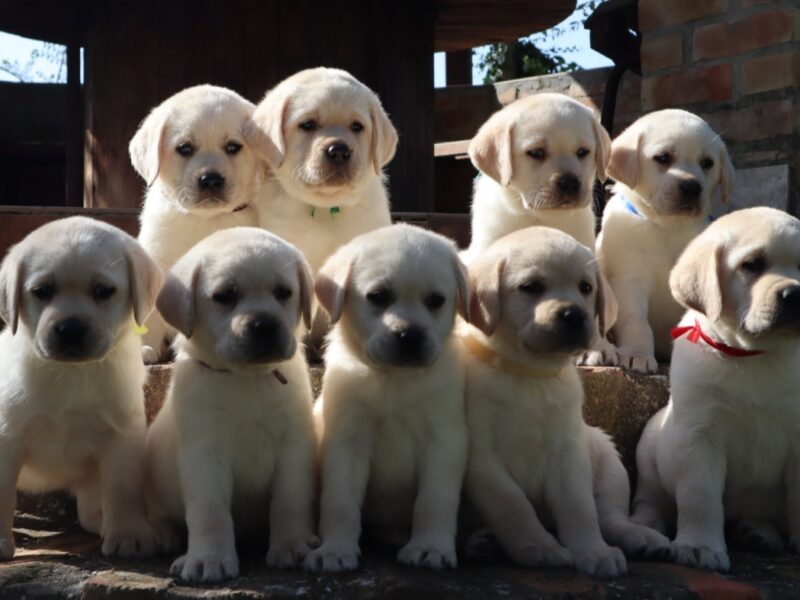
{"x": 634, "y": 211}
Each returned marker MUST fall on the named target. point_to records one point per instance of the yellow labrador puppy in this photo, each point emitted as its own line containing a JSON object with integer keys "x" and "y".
{"x": 395, "y": 441}
{"x": 71, "y": 398}
{"x": 327, "y": 139}
{"x": 668, "y": 165}
{"x": 233, "y": 447}
{"x": 201, "y": 177}
{"x": 552, "y": 489}
{"x": 725, "y": 448}
{"x": 538, "y": 158}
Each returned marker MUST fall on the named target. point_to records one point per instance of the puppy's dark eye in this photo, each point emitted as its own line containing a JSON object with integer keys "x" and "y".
{"x": 356, "y": 127}
{"x": 101, "y": 291}
{"x": 43, "y": 292}
{"x": 309, "y": 125}
{"x": 185, "y": 149}
{"x": 380, "y": 298}
{"x": 582, "y": 152}
{"x": 706, "y": 163}
{"x": 434, "y": 301}
{"x": 663, "y": 158}
{"x": 585, "y": 288}
{"x": 533, "y": 287}
{"x": 282, "y": 293}
{"x": 537, "y": 153}
{"x": 232, "y": 148}
{"x": 228, "y": 296}
{"x": 755, "y": 265}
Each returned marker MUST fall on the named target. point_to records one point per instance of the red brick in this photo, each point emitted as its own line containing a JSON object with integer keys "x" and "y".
{"x": 657, "y": 14}
{"x": 661, "y": 51}
{"x": 765, "y": 120}
{"x": 771, "y": 72}
{"x": 735, "y": 37}
{"x": 687, "y": 87}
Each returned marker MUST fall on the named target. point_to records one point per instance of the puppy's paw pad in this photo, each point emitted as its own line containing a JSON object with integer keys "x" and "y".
{"x": 430, "y": 555}
{"x": 332, "y": 558}
{"x": 289, "y": 554}
{"x": 542, "y": 555}
{"x": 138, "y": 541}
{"x": 7, "y": 547}
{"x": 700, "y": 557}
{"x": 205, "y": 569}
{"x": 638, "y": 363}
{"x": 600, "y": 561}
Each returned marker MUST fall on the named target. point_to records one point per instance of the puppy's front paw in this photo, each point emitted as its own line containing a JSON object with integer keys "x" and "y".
{"x": 7, "y": 546}
{"x": 600, "y": 560}
{"x": 700, "y": 556}
{"x": 131, "y": 539}
{"x": 149, "y": 355}
{"x": 431, "y": 554}
{"x": 604, "y": 353}
{"x": 332, "y": 557}
{"x": 205, "y": 569}
{"x": 289, "y": 554}
{"x": 638, "y": 540}
{"x": 548, "y": 554}
{"x": 639, "y": 363}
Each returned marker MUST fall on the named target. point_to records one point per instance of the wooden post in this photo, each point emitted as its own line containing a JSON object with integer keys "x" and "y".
{"x": 74, "y": 141}
{"x": 458, "y": 67}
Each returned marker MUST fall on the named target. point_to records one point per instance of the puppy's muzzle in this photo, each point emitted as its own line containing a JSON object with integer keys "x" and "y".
{"x": 788, "y": 304}
{"x": 265, "y": 339}
{"x": 689, "y": 196}
{"x": 409, "y": 346}
{"x": 69, "y": 340}
{"x": 569, "y": 185}
{"x": 338, "y": 153}
{"x": 211, "y": 182}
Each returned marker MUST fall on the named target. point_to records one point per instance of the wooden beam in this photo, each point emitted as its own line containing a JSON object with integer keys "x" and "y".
{"x": 74, "y": 141}
{"x": 458, "y": 67}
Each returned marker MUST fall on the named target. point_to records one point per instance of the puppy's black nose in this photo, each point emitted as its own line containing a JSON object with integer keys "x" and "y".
{"x": 263, "y": 327}
{"x": 690, "y": 189}
{"x": 338, "y": 152}
{"x": 71, "y": 331}
{"x": 572, "y": 316}
{"x": 410, "y": 339}
{"x": 210, "y": 181}
{"x": 568, "y": 184}
{"x": 789, "y": 297}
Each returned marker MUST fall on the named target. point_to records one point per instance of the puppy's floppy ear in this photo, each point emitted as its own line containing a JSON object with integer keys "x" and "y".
{"x": 606, "y": 306}
{"x": 602, "y": 149}
{"x": 265, "y": 132}
{"x": 145, "y": 279}
{"x": 623, "y": 165}
{"x": 491, "y": 150}
{"x": 11, "y": 276}
{"x": 384, "y": 136}
{"x": 485, "y": 277}
{"x": 332, "y": 282}
{"x": 145, "y": 145}
{"x": 727, "y": 173}
{"x": 306, "y": 290}
{"x": 464, "y": 291}
{"x": 695, "y": 278}
{"x": 177, "y": 300}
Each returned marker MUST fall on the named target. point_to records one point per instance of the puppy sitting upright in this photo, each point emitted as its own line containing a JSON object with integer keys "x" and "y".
{"x": 327, "y": 139}
{"x": 394, "y": 436}
{"x": 201, "y": 177}
{"x": 539, "y": 157}
{"x": 535, "y": 467}
{"x": 71, "y": 397}
{"x": 668, "y": 165}
{"x": 725, "y": 449}
{"x": 233, "y": 447}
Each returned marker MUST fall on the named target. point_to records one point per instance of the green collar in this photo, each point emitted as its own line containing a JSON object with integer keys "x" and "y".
{"x": 334, "y": 210}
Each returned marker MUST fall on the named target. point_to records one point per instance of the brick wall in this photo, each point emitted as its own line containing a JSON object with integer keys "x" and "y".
{"x": 736, "y": 63}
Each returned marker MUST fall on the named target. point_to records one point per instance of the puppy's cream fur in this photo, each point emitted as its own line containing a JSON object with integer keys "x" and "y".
{"x": 522, "y": 152}
{"x": 295, "y": 125}
{"x": 207, "y": 124}
{"x": 637, "y": 251}
{"x": 233, "y": 447}
{"x": 394, "y": 443}
{"x": 535, "y": 467}
{"x": 726, "y": 446}
{"x": 71, "y": 404}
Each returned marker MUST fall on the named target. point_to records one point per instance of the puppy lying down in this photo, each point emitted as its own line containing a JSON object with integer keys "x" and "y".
{"x": 724, "y": 450}
{"x": 394, "y": 442}
{"x": 71, "y": 396}
{"x": 233, "y": 447}
{"x": 551, "y": 489}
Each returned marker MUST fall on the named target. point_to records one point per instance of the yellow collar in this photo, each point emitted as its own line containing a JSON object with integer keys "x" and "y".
{"x": 492, "y": 358}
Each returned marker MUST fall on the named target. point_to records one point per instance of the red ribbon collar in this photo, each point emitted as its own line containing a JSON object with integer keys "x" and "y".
{"x": 696, "y": 334}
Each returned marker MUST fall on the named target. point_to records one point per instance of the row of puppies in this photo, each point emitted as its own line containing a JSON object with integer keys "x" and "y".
{"x": 408, "y": 409}
{"x": 390, "y": 440}
{"x": 306, "y": 164}
{"x": 539, "y": 158}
